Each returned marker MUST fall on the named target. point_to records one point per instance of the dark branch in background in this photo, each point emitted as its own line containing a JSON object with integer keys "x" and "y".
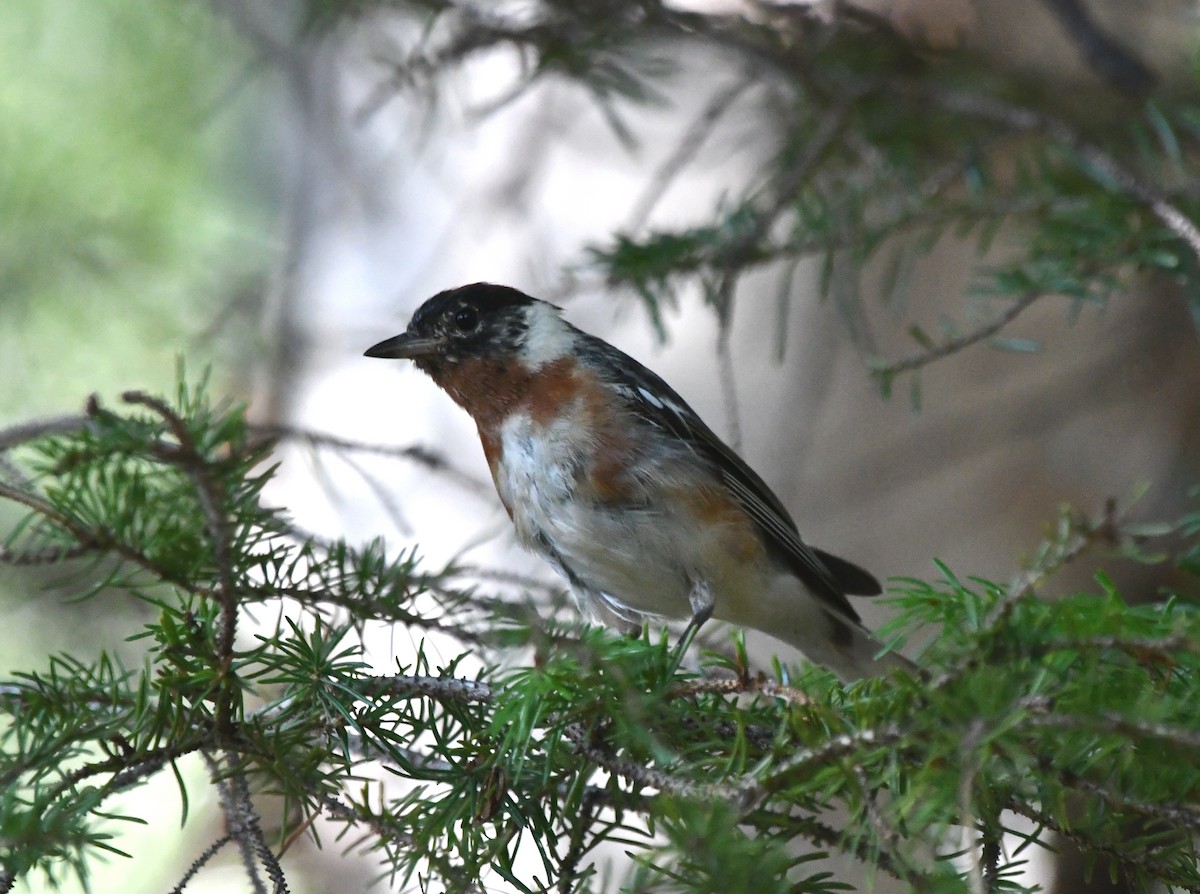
{"x": 781, "y": 194}
{"x": 1118, "y": 66}
{"x": 1184, "y": 816}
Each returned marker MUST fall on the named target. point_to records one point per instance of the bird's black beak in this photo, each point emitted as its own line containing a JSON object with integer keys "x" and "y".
{"x": 405, "y": 346}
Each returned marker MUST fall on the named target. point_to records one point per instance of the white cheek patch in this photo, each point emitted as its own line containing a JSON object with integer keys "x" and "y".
{"x": 547, "y": 337}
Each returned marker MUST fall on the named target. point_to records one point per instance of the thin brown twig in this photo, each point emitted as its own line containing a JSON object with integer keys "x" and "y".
{"x": 416, "y": 453}
{"x": 200, "y": 862}
{"x": 689, "y": 145}
{"x": 970, "y": 764}
{"x": 16, "y": 435}
{"x": 742, "y": 685}
{"x": 1073, "y": 543}
{"x": 1075, "y": 538}
{"x": 1142, "y": 649}
{"x": 98, "y": 541}
{"x": 1103, "y": 53}
{"x": 737, "y": 257}
{"x": 809, "y": 759}
{"x": 783, "y": 195}
{"x": 727, "y": 378}
{"x": 824, "y": 835}
{"x": 959, "y": 343}
{"x": 127, "y": 769}
{"x": 244, "y": 825}
{"x": 235, "y": 826}
{"x": 888, "y": 836}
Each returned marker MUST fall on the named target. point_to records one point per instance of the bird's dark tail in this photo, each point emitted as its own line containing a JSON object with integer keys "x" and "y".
{"x": 854, "y": 654}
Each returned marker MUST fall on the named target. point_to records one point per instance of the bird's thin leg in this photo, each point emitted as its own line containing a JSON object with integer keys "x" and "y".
{"x": 702, "y": 603}
{"x": 693, "y": 628}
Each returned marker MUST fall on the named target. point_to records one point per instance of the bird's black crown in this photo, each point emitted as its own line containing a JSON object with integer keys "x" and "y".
{"x": 474, "y": 319}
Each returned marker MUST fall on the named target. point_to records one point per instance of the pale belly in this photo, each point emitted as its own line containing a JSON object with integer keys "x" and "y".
{"x": 636, "y": 559}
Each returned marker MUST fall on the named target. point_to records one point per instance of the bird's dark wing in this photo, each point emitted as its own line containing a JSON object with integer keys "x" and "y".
{"x": 656, "y": 402}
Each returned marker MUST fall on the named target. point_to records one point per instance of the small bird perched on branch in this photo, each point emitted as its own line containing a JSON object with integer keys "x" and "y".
{"x": 608, "y": 474}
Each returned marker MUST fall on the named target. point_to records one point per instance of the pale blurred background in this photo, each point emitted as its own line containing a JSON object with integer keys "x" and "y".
{"x": 211, "y": 182}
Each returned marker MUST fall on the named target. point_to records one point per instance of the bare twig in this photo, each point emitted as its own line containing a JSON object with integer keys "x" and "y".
{"x": 1075, "y": 537}
{"x": 826, "y": 836}
{"x": 128, "y": 770}
{"x": 806, "y": 760}
{"x": 1113, "y": 724}
{"x": 741, "y": 253}
{"x": 1162, "y": 650}
{"x": 1182, "y": 815}
{"x": 16, "y": 435}
{"x": 689, "y": 145}
{"x": 244, "y": 826}
{"x": 888, "y": 836}
{"x": 954, "y": 345}
{"x": 726, "y": 377}
{"x": 783, "y": 194}
{"x": 201, "y": 861}
{"x": 741, "y": 685}
{"x": 1073, "y": 542}
{"x": 416, "y": 453}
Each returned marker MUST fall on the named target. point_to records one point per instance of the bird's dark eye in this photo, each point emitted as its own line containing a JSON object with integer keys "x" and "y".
{"x": 466, "y": 319}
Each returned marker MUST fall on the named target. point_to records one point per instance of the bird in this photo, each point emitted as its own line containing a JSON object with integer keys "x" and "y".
{"x": 609, "y": 475}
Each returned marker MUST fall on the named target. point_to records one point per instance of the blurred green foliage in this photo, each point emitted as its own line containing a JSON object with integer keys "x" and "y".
{"x": 122, "y": 221}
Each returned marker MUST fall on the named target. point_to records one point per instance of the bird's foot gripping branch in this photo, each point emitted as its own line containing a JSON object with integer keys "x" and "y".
{"x": 240, "y": 664}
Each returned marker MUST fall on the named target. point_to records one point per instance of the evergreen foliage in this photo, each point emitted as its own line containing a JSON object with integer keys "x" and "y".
{"x": 1077, "y": 714}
